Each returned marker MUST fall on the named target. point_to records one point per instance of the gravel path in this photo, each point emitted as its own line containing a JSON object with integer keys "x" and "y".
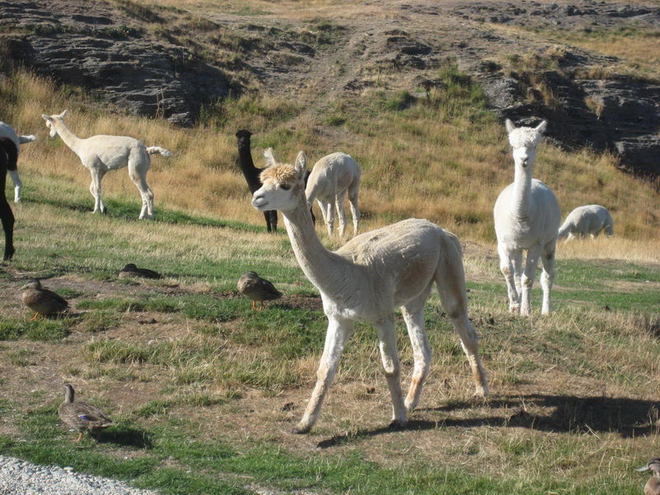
{"x": 24, "y": 478}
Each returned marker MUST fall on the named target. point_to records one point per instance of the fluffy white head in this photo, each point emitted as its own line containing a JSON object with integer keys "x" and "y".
{"x": 50, "y": 120}
{"x": 283, "y": 184}
{"x": 523, "y": 142}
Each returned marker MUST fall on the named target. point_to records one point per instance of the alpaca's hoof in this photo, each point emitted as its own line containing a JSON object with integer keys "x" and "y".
{"x": 481, "y": 392}
{"x": 301, "y": 429}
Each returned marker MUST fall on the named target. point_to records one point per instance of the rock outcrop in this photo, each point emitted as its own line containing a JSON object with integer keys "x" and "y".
{"x": 109, "y": 54}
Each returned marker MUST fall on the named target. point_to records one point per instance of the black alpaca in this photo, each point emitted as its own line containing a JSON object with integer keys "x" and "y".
{"x": 251, "y": 174}
{"x": 8, "y": 157}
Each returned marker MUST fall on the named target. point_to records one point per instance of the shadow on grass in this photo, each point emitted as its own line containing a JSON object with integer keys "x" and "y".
{"x": 627, "y": 417}
{"x": 130, "y": 212}
{"x": 122, "y": 435}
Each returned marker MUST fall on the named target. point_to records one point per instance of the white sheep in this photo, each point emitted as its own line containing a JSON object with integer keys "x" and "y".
{"x": 100, "y": 154}
{"x": 8, "y": 131}
{"x": 586, "y": 220}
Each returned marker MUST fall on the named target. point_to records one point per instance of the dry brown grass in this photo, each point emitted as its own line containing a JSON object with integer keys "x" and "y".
{"x": 422, "y": 162}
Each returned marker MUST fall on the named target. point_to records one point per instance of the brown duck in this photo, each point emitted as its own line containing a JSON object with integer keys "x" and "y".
{"x": 130, "y": 270}
{"x": 42, "y": 301}
{"x": 652, "y": 486}
{"x": 80, "y": 415}
{"x": 257, "y": 289}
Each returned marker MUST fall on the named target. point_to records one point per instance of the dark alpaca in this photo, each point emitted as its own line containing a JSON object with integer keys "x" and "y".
{"x": 251, "y": 174}
{"x": 8, "y": 157}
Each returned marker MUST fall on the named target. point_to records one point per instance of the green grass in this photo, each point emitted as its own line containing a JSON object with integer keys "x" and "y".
{"x": 44, "y": 330}
{"x": 211, "y": 467}
{"x": 203, "y": 390}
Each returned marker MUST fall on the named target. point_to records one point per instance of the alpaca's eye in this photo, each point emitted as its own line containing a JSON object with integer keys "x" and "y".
{"x": 286, "y": 187}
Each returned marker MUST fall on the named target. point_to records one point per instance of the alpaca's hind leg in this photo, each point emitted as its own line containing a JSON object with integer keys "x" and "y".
{"x": 338, "y": 332}
{"x": 147, "y": 196}
{"x": 341, "y": 214}
{"x": 18, "y": 185}
{"x": 451, "y": 286}
{"x": 527, "y": 279}
{"x": 547, "y": 277}
{"x": 353, "y": 202}
{"x": 390, "y": 358}
{"x": 324, "y": 211}
{"x": 507, "y": 268}
{"x": 413, "y": 315}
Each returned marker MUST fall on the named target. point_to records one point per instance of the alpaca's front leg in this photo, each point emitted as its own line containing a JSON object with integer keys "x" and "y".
{"x": 341, "y": 215}
{"x": 338, "y": 332}
{"x": 95, "y": 189}
{"x": 330, "y": 217}
{"x": 507, "y": 268}
{"x": 527, "y": 279}
{"x": 547, "y": 278}
{"x": 390, "y": 357}
{"x": 7, "y": 226}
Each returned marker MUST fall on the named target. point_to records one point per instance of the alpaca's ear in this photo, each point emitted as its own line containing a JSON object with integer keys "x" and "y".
{"x": 509, "y": 125}
{"x": 47, "y": 118}
{"x": 542, "y": 127}
{"x": 270, "y": 158}
{"x": 301, "y": 163}
{"x": 62, "y": 114}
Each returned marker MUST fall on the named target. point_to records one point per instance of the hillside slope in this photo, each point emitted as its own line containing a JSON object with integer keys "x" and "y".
{"x": 157, "y": 58}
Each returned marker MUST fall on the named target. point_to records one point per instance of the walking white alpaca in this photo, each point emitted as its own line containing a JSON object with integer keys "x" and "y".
{"x": 8, "y": 131}
{"x": 366, "y": 280}
{"x": 526, "y": 218}
{"x": 332, "y": 177}
{"x": 100, "y": 154}
{"x": 587, "y": 220}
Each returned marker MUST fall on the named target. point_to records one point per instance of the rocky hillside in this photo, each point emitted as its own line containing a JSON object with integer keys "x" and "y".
{"x": 166, "y": 61}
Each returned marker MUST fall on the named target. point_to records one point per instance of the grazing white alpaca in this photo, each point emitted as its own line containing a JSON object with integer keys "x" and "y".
{"x": 587, "y": 220}
{"x": 366, "y": 279}
{"x": 526, "y": 218}
{"x": 8, "y": 131}
{"x": 100, "y": 154}
{"x": 332, "y": 177}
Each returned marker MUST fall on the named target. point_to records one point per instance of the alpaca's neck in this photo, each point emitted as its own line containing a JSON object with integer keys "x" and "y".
{"x": 69, "y": 138}
{"x": 328, "y": 271}
{"x": 522, "y": 186}
{"x": 250, "y": 172}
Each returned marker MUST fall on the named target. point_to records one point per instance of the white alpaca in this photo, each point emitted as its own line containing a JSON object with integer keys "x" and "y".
{"x": 366, "y": 279}
{"x": 586, "y": 220}
{"x": 332, "y": 177}
{"x": 100, "y": 154}
{"x": 526, "y": 218}
{"x": 8, "y": 131}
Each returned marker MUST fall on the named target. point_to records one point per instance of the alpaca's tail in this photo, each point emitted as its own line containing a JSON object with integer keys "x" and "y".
{"x": 152, "y": 150}
{"x": 26, "y": 139}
